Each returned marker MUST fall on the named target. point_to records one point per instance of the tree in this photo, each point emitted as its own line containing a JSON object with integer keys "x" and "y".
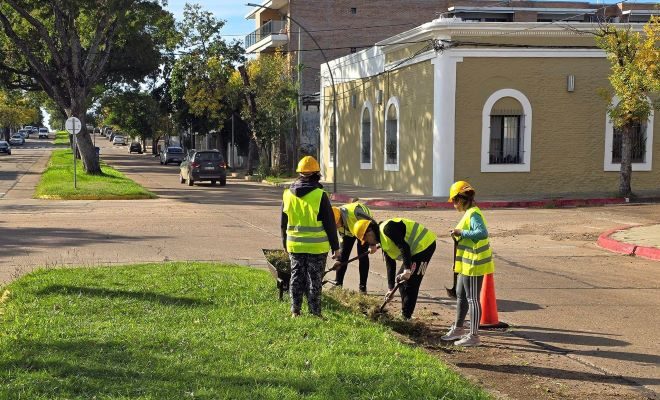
{"x": 270, "y": 95}
{"x": 134, "y": 112}
{"x": 69, "y": 47}
{"x": 635, "y": 78}
{"x": 200, "y": 76}
{"x": 16, "y": 109}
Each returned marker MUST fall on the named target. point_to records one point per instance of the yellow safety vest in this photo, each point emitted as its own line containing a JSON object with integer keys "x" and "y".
{"x": 350, "y": 214}
{"x": 304, "y": 233}
{"x": 473, "y": 258}
{"x": 417, "y": 237}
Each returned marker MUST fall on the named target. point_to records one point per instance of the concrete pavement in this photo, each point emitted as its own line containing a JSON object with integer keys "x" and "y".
{"x": 565, "y": 297}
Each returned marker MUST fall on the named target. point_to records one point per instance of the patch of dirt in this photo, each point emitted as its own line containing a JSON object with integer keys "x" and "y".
{"x": 575, "y": 236}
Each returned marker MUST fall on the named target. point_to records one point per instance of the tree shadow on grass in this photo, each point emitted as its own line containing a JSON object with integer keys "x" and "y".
{"x": 125, "y": 294}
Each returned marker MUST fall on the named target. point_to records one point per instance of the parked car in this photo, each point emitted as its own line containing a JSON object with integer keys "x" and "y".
{"x": 5, "y": 147}
{"x": 135, "y": 147}
{"x": 205, "y": 165}
{"x": 16, "y": 139}
{"x": 119, "y": 139}
{"x": 25, "y": 133}
{"x": 111, "y": 136}
{"x": 97, "y": 131}
{"x": 43, "y": 133}
{"x": 171, "y": 154}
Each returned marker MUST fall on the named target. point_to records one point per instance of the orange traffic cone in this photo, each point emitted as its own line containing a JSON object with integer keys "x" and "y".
{"x": 489, "y": 317}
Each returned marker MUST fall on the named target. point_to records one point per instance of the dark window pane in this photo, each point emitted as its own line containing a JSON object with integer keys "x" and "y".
{"x": 638, "y": 144}
{"x": 366, "y": 143}
{"x": 506, "y": 145}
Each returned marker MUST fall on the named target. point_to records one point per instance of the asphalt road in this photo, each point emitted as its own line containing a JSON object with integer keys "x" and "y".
{"x": 15, "y": 166}
{"x": 553, "y": 283}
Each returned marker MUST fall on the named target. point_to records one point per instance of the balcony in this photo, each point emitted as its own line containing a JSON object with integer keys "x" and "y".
{"x": 271, "y": 34}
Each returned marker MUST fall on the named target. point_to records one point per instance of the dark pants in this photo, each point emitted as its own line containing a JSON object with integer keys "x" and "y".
{"x": 409, "y": 290}
{"x": 346, "y": 248}
{"x": 306, "y": 277}
{"x": 468, "y": 292}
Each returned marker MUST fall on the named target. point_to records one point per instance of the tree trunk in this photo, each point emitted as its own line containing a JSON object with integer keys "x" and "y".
{"x": 85, "y": 146}
{"x": 6, "y": 132}
{"x": 626, "y": 160}
{"x": 154, "y": 146}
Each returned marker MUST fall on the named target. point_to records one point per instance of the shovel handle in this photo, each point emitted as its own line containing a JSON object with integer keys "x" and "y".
{"x": 347, "y": 262}
{"x": 389, "y": 296}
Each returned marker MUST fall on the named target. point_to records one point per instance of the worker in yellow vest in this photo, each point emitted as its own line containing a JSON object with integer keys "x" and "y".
{"x": 405, "y": 240}
{"x": 308, "y": 233}
{"x": 474, "y": 259}
{"x": 345, "y": 217}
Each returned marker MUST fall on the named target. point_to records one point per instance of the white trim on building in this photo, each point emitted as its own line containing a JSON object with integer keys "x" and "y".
{"x": 609, "y": 166}
{"x": 367, "y": 106}
{"x": 393, "y": 101}
{"x": 526, "y": 128}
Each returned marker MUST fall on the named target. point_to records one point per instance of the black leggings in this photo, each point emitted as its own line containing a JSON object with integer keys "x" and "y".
{"x": 409, "y": 290}
{"x": 346, "y": 248}
{"x": 468, "y": 295}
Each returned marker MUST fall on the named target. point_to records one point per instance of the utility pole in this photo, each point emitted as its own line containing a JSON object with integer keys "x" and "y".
{"x": 231, "y": 154}
{"x": 300, "y": 99}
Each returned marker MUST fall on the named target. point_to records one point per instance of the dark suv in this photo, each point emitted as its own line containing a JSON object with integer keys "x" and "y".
{"x": 207, "y": 165}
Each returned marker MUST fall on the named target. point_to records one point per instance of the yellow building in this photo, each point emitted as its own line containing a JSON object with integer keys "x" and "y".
{"x": 514, "y": 108}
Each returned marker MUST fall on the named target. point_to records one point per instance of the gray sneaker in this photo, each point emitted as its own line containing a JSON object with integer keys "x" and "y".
{"x": 469, "y": 340}
{"x": 454, "y": 333}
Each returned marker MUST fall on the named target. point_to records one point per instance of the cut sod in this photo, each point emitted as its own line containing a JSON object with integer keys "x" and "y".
{"x": 57, "y": 182}
{"x": 190, "y": 330}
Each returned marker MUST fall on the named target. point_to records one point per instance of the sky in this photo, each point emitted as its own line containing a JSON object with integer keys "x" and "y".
{"x": 232, "y": 11}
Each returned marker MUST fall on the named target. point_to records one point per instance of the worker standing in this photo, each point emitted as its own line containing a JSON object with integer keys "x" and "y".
{"x": 474, "y": 259}
{"x": 308, "y": 233}
{"x": 405, "y": 240}
{"x": 345, "y": 217}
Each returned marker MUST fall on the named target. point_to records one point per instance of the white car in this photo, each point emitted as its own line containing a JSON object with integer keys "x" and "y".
{"x": 119, "y": 140}
{"x": 43, "y": 133}
{"x": 16, "y": 139}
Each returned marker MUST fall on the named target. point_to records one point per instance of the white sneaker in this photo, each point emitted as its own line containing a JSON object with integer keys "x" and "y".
{"x": 469, "y": 340}
{"x": 454, "y": 333}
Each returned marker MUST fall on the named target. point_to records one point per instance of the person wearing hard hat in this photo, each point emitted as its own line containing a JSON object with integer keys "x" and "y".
{"x": 308, "y": 233}
{"x": 405, "y": 240}
{"x": 474, "y": 259}
{"x": 345, "y": 217}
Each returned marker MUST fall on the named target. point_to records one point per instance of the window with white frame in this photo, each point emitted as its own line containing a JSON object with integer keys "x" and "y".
{"x": 506, "y": 132}
{"x": 366, "y": 137}
{"x": 333, "y": 137}
{"x": 642, "y": 144}
{"x": 392, "y": 135}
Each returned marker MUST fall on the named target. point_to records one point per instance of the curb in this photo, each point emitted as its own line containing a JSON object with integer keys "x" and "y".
{"x": 553, "y": 203}
{"x": 606, "y": 242}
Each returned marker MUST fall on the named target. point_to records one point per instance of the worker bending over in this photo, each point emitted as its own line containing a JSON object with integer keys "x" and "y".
{"x": 308, "y": 233}
{"x": 345, "y": 217}
{"x": 405, "y": 240}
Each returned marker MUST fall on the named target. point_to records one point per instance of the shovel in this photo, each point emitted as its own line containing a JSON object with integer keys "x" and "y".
{"x": 347, "y": 262}
{"x": 390, "y": 294}
{"x": 452, "y": 292}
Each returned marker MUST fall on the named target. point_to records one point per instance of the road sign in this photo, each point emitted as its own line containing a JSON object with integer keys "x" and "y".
{"x": 73, "y": 125}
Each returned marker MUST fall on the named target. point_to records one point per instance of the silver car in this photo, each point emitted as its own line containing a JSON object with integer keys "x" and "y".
{"x": 16, "y": 139}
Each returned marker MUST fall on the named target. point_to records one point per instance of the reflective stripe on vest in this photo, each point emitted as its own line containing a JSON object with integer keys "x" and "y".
{"x": 304, "y": 233}
{"x": 473, "y": 258}
{"x": 417, "y": 237}
{"x": 350, "y": 214}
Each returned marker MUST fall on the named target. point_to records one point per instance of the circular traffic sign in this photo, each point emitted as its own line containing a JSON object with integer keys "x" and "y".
{"x": 73, "y": 125}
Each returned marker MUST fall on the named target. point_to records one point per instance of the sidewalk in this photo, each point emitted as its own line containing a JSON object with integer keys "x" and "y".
{"x": 642, "y": 241}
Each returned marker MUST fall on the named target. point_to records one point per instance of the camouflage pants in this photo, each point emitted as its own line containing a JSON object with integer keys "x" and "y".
{"x": 306, "y": 277}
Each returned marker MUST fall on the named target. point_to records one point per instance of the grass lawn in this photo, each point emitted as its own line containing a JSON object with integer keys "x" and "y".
{"x": 279, "y": 179}
{"x": 57, "y": 182}
{"x": 193, "y": 330}
{"x": 61, "y": 137}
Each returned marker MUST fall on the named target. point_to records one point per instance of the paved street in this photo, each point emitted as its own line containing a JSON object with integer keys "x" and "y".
{"x": 553, "y": 283}
{"x": 15, "y": 167}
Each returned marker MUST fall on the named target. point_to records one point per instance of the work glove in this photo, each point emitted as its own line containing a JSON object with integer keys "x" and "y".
{"x": 373, "y": 249}
{"x": 336, "y": 254}
{"x": 404, "y": 276}
{"x": 336, "y": 266}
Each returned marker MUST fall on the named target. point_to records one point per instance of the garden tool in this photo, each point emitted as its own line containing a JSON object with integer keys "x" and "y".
{"x": 452, "y": 292}
{"x": 390, "y": 294}
{"x": 334, "y": 268}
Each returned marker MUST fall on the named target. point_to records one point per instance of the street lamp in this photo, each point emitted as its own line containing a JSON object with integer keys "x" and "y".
{"x": 335, "y": 112}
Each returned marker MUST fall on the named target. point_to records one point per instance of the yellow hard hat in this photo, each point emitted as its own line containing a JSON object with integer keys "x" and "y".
{"x": 308, "y": 164}
{"x": 458, "y": 188}
{"x": 360, "y": 229}
{"x": 337, "y": 213}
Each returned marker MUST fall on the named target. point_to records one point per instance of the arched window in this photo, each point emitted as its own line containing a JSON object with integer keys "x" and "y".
{"x": 392, "y": 135}
{"x": 333, "y": 137}
{"x": 366, "y": 137}
{"x": 506, "y": 132}
{"x": 642, "y": 144}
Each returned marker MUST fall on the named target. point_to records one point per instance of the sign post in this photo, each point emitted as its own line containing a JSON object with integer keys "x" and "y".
{"x": 73, "y": 126}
